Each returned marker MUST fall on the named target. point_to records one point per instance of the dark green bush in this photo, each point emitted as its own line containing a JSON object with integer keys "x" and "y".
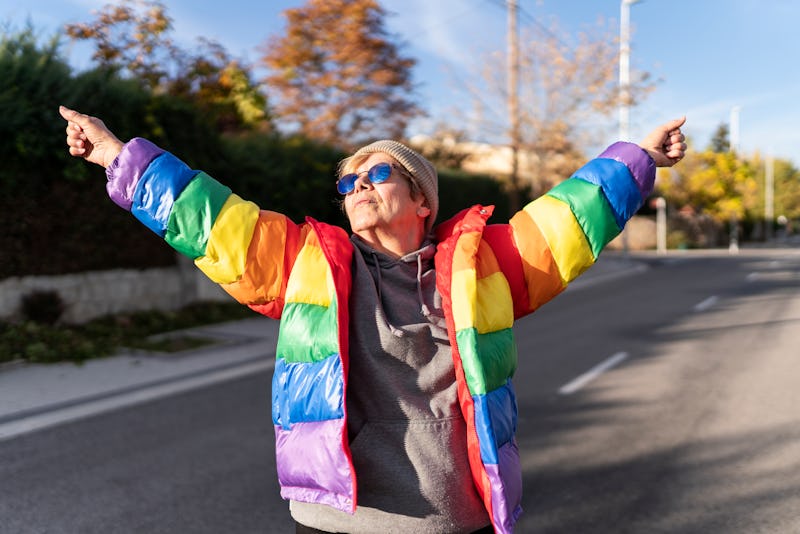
{"x": 42, "y": 306}
{"x": 54, "y": 211}
{"x": 459, "y": 190}
{"x": 44, "y": 343}
{"x": 55, "y": 215}
{"x": 292, "y": 175}
{"x": 41, "y": 343}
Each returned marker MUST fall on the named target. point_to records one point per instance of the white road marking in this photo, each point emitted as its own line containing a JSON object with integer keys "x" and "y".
{"x": 706, "y": 304}
{"x": 69, "y": 413}
{"x": 773, "y": 276}
{"x": 576, "y": 384}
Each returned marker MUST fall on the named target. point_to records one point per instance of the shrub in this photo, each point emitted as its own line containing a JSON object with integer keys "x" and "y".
{"x": 46, "y": 343}
{"x": 42, "y": 306}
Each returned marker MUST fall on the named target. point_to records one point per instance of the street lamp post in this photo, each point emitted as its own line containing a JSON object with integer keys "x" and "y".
{"x": 625, "y": 83}
{"x": 734, "y": 143}
{"x": 733, "y": 244}
{"x": 625, "y": 68}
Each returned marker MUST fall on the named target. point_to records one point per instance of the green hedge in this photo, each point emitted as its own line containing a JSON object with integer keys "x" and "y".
{"x": 459, "y": 190}
{"x": 54, "y": 211}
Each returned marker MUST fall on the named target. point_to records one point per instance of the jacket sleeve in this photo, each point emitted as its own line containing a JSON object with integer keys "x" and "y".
{"x": 246, "y": 250}
{"x": 560, "y": 234}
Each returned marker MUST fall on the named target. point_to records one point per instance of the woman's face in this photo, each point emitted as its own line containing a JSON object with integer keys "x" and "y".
{"x": 385, "y": 210}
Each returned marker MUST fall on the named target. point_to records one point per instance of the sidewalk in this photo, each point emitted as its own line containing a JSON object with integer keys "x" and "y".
{"x": 34, "y": 396}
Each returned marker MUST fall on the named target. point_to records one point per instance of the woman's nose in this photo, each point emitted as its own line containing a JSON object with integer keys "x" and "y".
{"x": 362, "y": 182}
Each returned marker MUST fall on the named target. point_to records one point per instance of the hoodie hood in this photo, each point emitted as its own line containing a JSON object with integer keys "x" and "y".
{"x": 395, "y": 277}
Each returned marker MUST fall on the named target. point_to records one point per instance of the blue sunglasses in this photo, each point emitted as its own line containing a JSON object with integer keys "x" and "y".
{"x": 377, "y": 174}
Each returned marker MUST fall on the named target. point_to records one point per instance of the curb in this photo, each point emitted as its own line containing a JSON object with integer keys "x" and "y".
{"x": 124, "y": 390}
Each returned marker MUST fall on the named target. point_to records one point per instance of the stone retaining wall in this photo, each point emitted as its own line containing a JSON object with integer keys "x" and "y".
{"x": 93, "y": 294}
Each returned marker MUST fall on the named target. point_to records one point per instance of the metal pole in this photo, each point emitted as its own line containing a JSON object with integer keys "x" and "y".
{"x": 625, "y": 84}
{"x": 625, "y": 68}
{"x": 513, "y": 101}
{"x": 733, "y": 245}
{"x": 661, "y": 225}
{"x": 769, "y": 197}
{"x": 735, "y": 129}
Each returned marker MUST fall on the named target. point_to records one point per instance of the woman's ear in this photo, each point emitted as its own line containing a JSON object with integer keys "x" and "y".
{"x": 423, "y": 211}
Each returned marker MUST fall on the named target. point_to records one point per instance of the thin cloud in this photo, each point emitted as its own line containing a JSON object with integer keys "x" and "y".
{"x": 440, "y": 27}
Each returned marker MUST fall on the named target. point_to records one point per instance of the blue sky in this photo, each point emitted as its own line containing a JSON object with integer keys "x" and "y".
{"x": 709, "y": 55}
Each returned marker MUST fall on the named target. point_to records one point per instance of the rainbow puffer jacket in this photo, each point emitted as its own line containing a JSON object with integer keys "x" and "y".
{"x": 488, "y": 275}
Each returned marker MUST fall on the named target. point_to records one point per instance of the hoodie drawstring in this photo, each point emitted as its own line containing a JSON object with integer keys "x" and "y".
{"x": 424, "y": 308}
{"x": 393, "y": 329}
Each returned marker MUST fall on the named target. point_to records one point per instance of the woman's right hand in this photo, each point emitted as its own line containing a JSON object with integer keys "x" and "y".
{"x": 666, "y": 144}
{"x": 88, "y": 138}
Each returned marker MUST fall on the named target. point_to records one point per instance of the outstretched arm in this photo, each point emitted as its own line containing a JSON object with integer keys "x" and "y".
{"x": 247, "y": 251}
{"x": 560, "y": 234}
{"x": 89, "y": 138}
{"x": 666, "y": 143}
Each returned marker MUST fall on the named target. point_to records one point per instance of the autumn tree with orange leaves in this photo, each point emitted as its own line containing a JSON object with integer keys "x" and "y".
{"x": 337, "y": 74}
{"x": 133, "y": 36}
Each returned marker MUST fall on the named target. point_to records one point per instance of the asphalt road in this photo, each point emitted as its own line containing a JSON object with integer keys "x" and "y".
{"x": 696, "y": 430}
{"x": 690, "y": 423}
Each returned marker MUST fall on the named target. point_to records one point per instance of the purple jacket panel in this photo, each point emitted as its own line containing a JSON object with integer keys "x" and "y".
{"x": 125, "y": 171}
{"x": 642, "y": 169}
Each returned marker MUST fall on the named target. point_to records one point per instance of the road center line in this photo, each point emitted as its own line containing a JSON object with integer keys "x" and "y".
{"x": 706, "y": 304}
{"x": 576, "y": 384}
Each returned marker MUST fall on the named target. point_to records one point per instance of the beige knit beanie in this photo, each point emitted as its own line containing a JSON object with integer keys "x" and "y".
{"x": 420, "y": 168}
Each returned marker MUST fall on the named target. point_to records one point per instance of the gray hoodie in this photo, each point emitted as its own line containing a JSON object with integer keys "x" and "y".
{"x": 407, "y": 434}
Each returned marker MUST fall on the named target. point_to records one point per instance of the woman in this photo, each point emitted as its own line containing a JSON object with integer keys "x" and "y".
{"x": 392, "y": 399}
